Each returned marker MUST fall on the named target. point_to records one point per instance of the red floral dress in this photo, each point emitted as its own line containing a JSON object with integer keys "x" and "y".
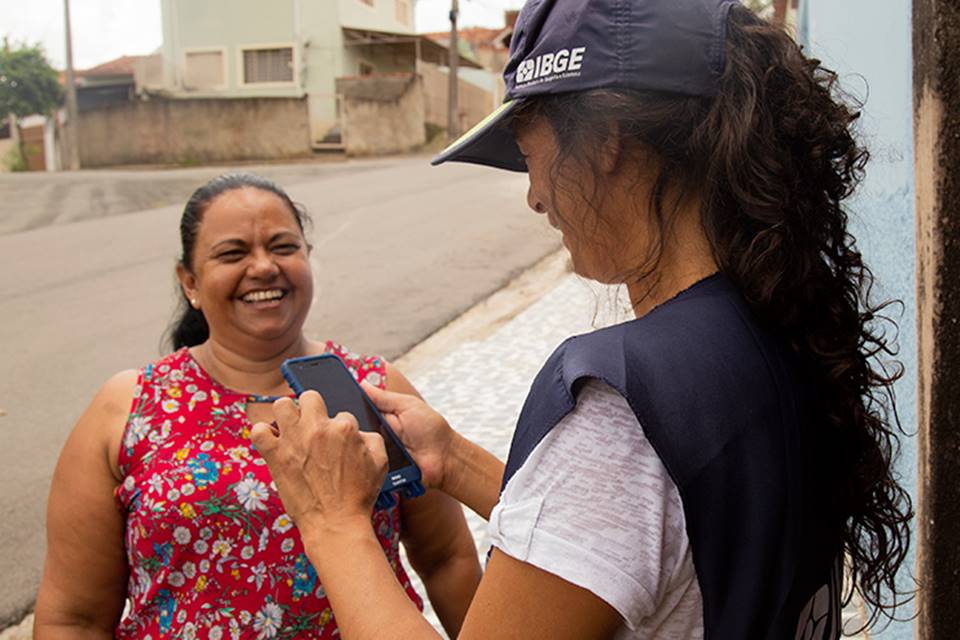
{"x": 211, "y": 552}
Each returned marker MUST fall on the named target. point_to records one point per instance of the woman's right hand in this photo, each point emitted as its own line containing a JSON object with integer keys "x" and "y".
{"x": 424, "y": 432}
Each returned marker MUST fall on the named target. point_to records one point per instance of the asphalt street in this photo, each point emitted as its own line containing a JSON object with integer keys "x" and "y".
{"x": 36, "y": 200}
{"x": 88, "y": 289}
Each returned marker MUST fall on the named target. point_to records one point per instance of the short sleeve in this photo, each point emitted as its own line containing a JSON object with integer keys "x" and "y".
{"x": 594, "y": 505}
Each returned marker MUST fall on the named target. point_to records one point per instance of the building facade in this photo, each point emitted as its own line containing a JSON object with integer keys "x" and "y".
{"x": 282, "y": 49}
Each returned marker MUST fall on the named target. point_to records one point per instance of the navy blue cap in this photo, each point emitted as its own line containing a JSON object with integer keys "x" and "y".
{"x": 560, "y": 46}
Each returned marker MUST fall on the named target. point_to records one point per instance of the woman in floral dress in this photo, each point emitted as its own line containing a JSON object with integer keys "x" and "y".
{"x": 160, "y": 500}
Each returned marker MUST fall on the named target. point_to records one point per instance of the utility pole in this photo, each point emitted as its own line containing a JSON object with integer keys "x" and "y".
{"x": 453, "y": 97}
{"x": 73, "y": 124}
{"x": 936, "y": 123}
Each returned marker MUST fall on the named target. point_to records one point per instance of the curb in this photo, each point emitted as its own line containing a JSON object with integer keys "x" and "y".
{"x": 488, "y": 315}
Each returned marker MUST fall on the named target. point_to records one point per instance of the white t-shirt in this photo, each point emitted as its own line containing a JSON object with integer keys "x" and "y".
{"x": 594, "y": 505}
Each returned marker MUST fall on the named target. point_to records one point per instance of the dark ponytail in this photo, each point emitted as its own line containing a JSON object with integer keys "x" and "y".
{"x": 190, "y": 326}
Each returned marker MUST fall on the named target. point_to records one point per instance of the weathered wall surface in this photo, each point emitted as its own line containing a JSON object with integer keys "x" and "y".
{"x": 376, "y": 15}
{"x": 474, "y": 102}
{"x": 32, "y": 145}
{"x": 6, "y": 147}
{"x": 194, "y": 131}
{"x": 937, "y": 126}
{"x": 381, "y": 114}
{"x": 869, "y": 44}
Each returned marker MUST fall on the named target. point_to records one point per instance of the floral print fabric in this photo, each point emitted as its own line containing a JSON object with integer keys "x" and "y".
{"x": 211, "y": 552}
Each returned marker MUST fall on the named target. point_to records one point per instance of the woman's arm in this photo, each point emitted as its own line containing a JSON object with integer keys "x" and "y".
{"x": 329, "y": 473}
{"x": 449, "y": 462}
{"x": 514, "y": 600}
{"x": 84, "y": 576}
{"x": 438, "y": 542}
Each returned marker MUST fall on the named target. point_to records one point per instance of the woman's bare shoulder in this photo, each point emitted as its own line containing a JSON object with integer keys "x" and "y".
{"x": 103, "y": 422}
{"x": 116, "y": 394}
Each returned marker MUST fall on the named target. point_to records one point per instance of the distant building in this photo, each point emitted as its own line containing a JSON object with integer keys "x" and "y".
{"x": 245, "y": 80}
{"x": 109, "y": 83}
{"x": 286, "y": 49}
{"x": 489, "y": 47}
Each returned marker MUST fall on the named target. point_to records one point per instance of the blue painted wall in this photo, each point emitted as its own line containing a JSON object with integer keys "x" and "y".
{"x": 869, "y": 44}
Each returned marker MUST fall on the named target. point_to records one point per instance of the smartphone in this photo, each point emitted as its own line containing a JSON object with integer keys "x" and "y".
{"x": 329, "y": 376}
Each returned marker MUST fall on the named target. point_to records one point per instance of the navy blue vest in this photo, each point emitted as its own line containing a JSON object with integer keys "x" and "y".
{"x": 724, "y": 409}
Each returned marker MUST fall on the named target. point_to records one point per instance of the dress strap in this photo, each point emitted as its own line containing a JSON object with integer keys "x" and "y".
{"x": 258, "y": 399}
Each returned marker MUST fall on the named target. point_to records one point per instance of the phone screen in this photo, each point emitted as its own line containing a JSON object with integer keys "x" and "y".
{"x": 331, "y": 379}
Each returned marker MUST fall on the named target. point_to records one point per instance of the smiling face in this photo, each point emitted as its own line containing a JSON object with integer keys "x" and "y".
{"x": 250, "y": 272}
{"x": 599, "y": 208}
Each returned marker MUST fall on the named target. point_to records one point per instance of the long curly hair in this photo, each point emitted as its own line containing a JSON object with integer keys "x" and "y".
{"x": 773, "y": 157}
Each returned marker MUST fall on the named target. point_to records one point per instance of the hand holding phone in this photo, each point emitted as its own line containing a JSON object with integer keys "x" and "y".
{"x": 327, "y": 375}
{"x": 425, "y": 433}
{"x": 345, "y": 468}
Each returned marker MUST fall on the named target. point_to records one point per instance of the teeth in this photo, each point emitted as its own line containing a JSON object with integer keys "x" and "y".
{"x": 263, "y": 296}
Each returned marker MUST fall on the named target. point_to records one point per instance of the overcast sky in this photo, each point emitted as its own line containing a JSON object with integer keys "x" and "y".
{"x": 107, "y": 29}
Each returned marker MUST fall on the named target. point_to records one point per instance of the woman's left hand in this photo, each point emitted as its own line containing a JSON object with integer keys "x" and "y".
{"x": 327, "y": 471}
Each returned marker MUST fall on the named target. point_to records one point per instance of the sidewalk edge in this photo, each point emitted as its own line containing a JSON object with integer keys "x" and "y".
{"x": 488, "y": 315}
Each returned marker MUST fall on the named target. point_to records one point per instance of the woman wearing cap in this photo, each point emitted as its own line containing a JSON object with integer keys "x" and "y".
{"x": 704, "y": 469}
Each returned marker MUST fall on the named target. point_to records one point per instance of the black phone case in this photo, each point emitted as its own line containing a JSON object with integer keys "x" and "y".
{"x": 407, "y": 481}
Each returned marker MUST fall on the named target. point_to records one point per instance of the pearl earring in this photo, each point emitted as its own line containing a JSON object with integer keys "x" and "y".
{"x": 193, "y": 303}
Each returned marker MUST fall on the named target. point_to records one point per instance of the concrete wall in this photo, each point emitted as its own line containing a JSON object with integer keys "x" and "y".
{"x": 148, "y": 72}
{"x": 382, "y": 114}
{"x": 381, "y": 16}
{"x": 6, "y": 147}
{"x": 869, "y": 44}
{"x": 385, "y": 58}
{"x": 475, "y": 103}
{"x": 319, "y": 23}
{"x": 194, "y": 131}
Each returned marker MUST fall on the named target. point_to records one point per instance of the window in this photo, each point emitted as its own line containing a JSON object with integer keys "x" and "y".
{"x": 203, "y": 70}
{"x": 403, "y": 11}
{"x": 365, "y": 68}
{"x": 267, "y": 65}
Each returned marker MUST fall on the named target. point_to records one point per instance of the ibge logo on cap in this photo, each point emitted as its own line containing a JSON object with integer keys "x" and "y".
{"x": 548, "y": 67}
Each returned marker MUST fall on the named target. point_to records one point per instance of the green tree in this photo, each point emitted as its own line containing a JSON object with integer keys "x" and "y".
{"x": 28, "y": 84}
